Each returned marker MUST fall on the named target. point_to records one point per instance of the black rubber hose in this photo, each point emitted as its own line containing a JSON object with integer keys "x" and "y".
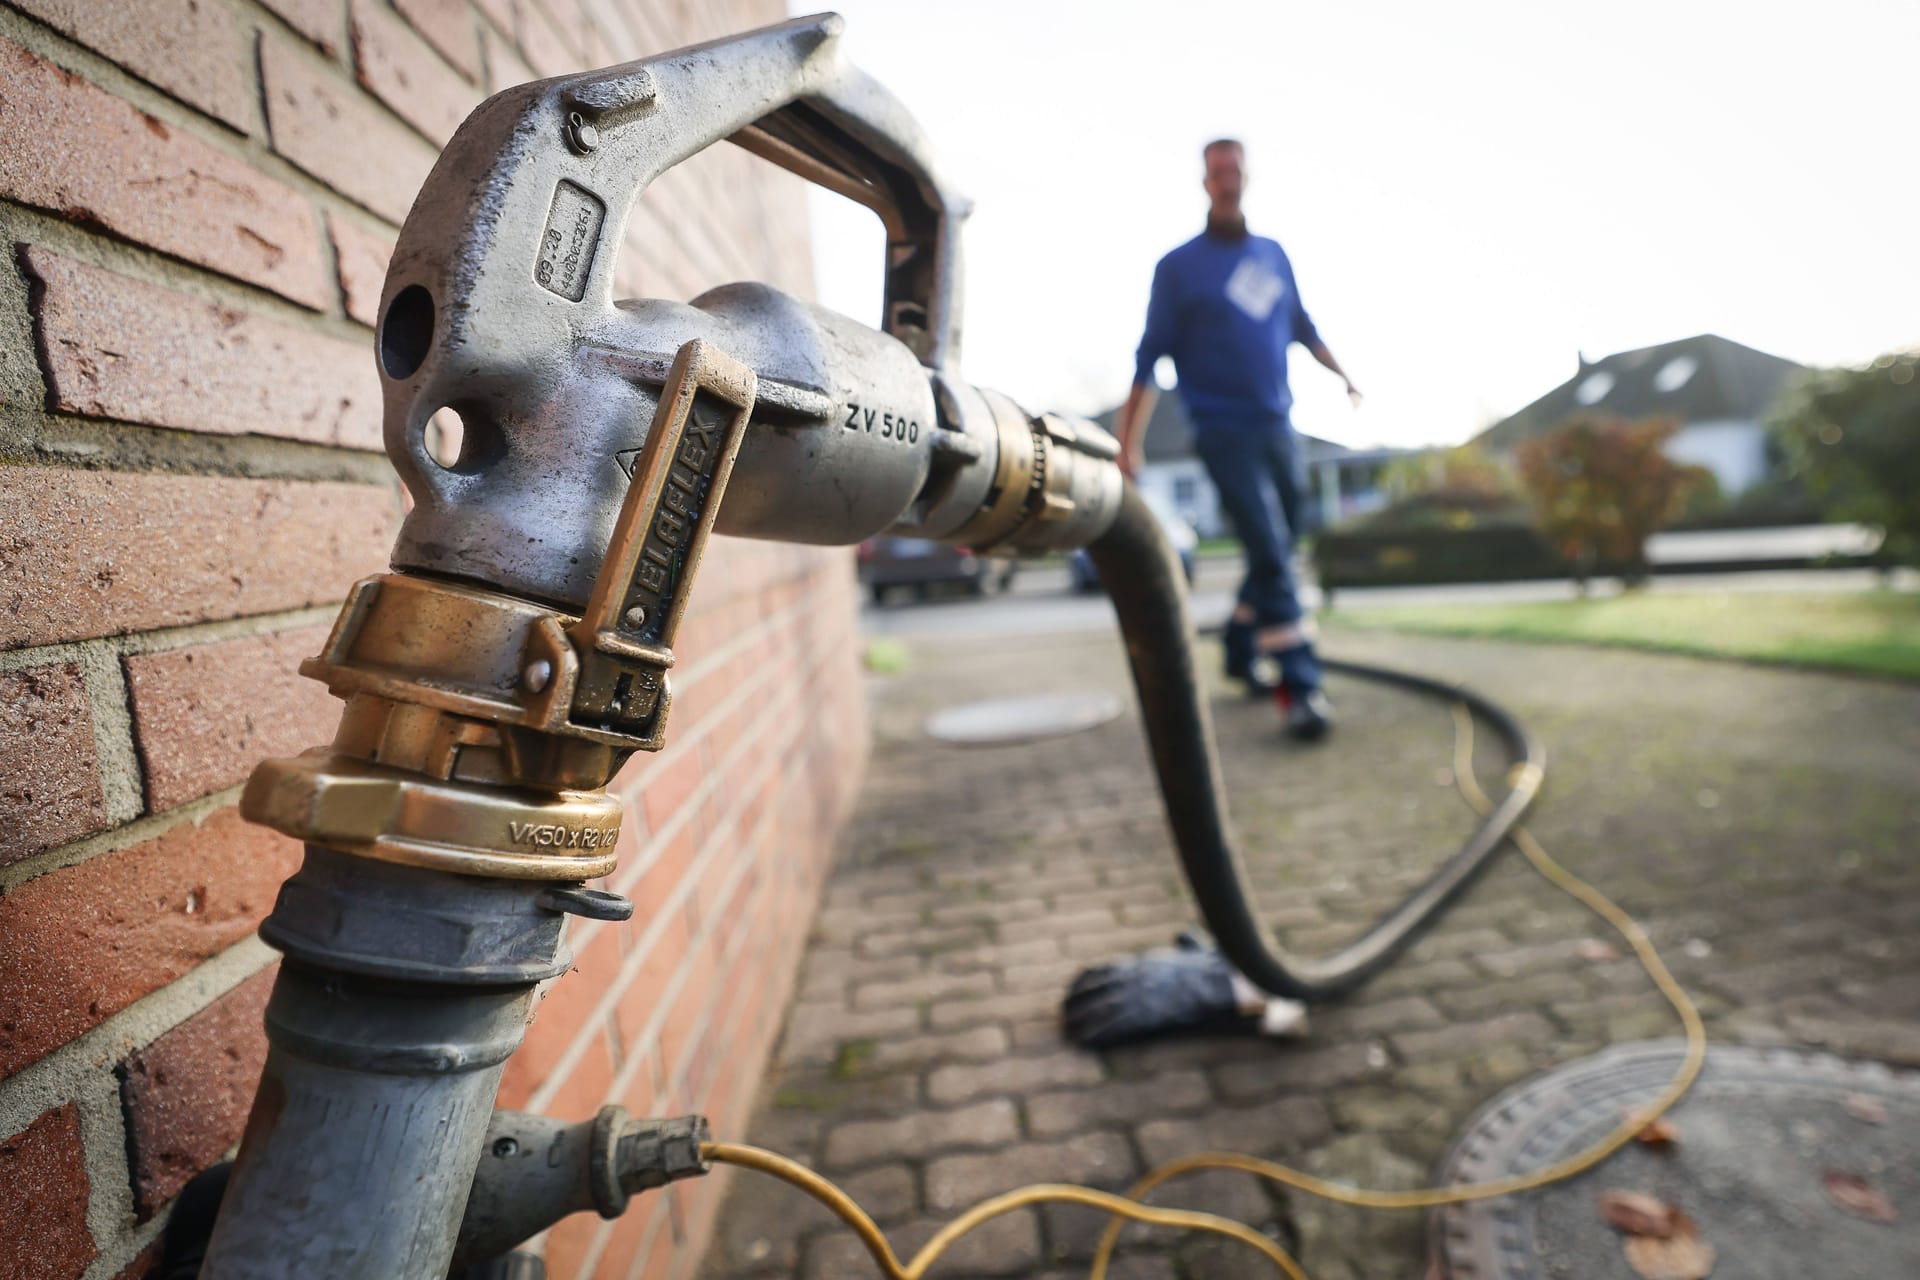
{"x": 1142, "y": 576}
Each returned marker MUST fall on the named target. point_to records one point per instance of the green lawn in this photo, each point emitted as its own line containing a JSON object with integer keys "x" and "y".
{"x": 1871, "y": 631}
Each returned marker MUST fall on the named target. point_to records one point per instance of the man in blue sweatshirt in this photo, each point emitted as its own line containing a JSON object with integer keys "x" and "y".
{"x": 1226, "y": 308}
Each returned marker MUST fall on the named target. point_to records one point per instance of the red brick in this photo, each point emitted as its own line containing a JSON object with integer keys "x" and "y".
{"x": 720, "y": 883}
{"x": 698, "y": 1202}
{"x": 567, "y": 17}
{"x": 699, "y": 1058}
{"x": 448, "y": 27}
{"x": 50, "y": 790}
{"x": 317, "y": 20}
{"x": 187, "y": 1094}
{"x": 625, "y": 1240}
{"x": 652, "y": 887}
{"x": 587, "y": 1084}
{"x": 698, "y": 691}
{"x": 755, "y": 804}
{"x": 617, "y": 24}
{"x": 736, "y": 917}
{"x": 323, "y": 124}
{"x": 203, "y": 717}
{"x": 640, "y": 998}
{"x": 361, "y": 258}
{"x": 550, "y": 52}
{"x": 691, "y": 1005}
{"x": 654, "y": 28}
{"x": 502, "y": 13}
{"x": 505, "y": 66}
{"x": 567, "y": 1245}
{"x": 639, "y": 1095}
{"x": 43, "y": 1215}
{"x": 115, "y": 347}
{"x": 195, "y": 51}
{"x": 403, "y": 71}
{"x": 597, "y": 49}
{"x": 93, "y": 553}
{"x": 564, "y": 1013}
{"x": 667, "y": 789}
{"x": 84, "y": 942}
{"x": 724, "y": 1095}
{"x": 662, "y": 1256}
{"x": 150, "y": 182}
{"x": 516, "y": 1086}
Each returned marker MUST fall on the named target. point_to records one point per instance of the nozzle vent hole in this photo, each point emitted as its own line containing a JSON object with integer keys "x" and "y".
{"x": 446, "y": 438}
{"x": 407, "y": 332}
{"x": 460, "y": 439}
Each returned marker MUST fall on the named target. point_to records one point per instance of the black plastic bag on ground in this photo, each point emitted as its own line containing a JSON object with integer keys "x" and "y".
{"x": 1186, "y": 988}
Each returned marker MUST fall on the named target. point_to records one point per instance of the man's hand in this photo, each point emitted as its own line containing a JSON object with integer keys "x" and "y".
{"x": 1131, "y": 428}
{"x": 1326, "y": 357}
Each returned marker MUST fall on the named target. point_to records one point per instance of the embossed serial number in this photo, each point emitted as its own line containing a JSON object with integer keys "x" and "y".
{"x": 549, "y": 835}
{"x": 568, "y": 244}
{"x": 882, "y": 423}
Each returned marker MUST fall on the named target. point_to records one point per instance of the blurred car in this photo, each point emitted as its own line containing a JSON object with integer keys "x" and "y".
{"x": 1172, "y": 523}
{"x": 919, "y": 566}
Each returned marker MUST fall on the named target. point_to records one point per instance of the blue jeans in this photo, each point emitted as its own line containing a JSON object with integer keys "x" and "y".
{"x": 1256, "y": 471}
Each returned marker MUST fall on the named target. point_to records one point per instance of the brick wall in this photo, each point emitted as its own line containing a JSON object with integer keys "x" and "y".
{"x": 197, "y": 198}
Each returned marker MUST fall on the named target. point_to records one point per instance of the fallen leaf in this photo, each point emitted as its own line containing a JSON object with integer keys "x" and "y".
{"x": 1598, "y": 951}
{"x": 1658, "y": 1132}
{"x": 1677, "y": 1257}
{"x": 1863, "y": 1106}
{"x": 1639, "y": 1214}
{"x": 1858, "y": 1197}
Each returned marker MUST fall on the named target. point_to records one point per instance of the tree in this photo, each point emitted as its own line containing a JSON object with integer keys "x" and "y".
{"x": 1853, "y": 435}
{"x": 1467, "y": 469}
{"x": 1600, "y": 486}
{"x": 1464, "y": 487}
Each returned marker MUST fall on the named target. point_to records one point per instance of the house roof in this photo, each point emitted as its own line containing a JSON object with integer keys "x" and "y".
{"x": 1170, "y": 433}
{"x": 1698, "y": 379}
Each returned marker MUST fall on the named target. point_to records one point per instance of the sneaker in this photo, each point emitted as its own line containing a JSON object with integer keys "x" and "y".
{"x": 1307, "y": 713}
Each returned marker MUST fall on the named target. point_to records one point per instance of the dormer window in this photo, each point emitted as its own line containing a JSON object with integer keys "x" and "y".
{"x": 1594, "y": 389}
{"x": 1675, "y": 374}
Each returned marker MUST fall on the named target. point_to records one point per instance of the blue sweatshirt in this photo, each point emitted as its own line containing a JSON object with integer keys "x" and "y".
{"x": 1226, "y": 309}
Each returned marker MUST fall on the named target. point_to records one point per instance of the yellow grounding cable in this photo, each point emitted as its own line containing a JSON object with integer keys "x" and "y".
{"x": 863, "y": 1226}
{"x": 1130, "y": 1207}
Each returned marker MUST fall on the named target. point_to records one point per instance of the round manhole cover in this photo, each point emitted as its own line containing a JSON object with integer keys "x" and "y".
{"x": 1022, "y": 719}
{"x": 1755, "y": 1144}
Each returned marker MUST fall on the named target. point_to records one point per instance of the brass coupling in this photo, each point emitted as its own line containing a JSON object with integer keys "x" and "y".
{"x": 1056, "y": 482}
{"x": 444, "y": 825}
{"x": 481, "y": 729}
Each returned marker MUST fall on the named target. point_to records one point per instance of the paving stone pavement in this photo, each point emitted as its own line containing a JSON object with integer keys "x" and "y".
{"x": 1761, "y": 823}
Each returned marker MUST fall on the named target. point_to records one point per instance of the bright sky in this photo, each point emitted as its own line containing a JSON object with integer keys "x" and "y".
{"x": 1471, "y": 192}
